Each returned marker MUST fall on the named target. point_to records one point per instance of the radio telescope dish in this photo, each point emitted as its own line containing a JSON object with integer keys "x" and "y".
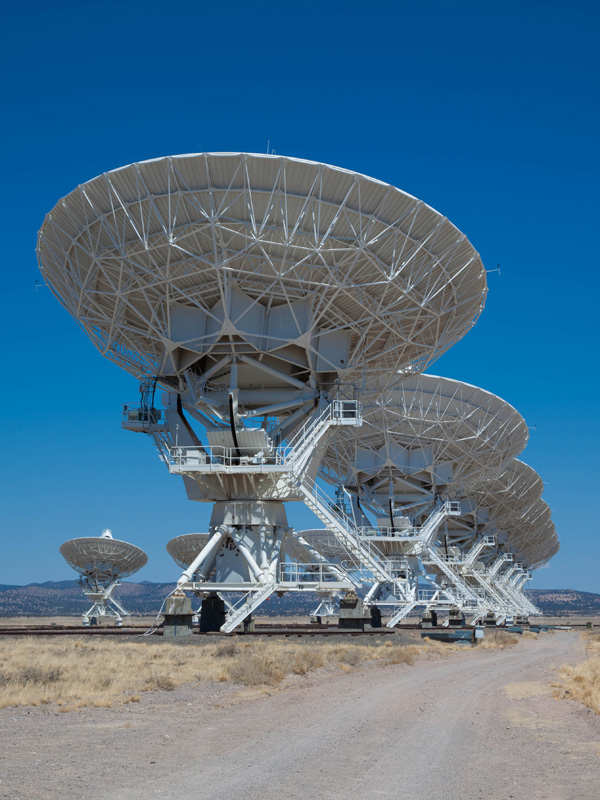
{"x": 102, "y": 562}
{"x": 103, "y": 559}
{"x": 297, "y": 274}
{"x": 184, "y": 549}
{"x": 263, "y": 293}
{"x": 516, "y": 509}
{"x": 424, "y": 436}
{"x": 328, "y": 545}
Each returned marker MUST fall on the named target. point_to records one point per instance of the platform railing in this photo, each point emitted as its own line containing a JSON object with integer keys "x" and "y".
{"x": 388, "y": 532}
{"x": 214, "y": 458}
{"x": 299, "y": 573}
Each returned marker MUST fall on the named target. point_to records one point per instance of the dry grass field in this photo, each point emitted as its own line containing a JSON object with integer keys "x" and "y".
{"x": 582, "y": 681}
{"x": 69, "y": 621}
{"x": 81, "y": 672}
{"x": 498, "y": 638}
{"x": 580, "y": 620}
{"x": 352, "y": 726}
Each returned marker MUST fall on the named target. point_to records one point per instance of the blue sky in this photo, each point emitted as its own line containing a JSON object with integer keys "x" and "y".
{"x": 486, "y": 111}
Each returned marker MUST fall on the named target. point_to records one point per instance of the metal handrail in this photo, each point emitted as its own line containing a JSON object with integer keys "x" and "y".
{"x": 283, "y": 456}
{"x": 200, "y": 455}
{"x": 296, "y": 572}
{"x": 302, "y": 433}
{"x": 389, "y": 532}
{"x": 336, "y": 410}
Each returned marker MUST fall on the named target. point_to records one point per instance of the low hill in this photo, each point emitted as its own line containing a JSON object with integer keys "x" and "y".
{"x": 565, "y": 602}
{"x": 66, "y": 597}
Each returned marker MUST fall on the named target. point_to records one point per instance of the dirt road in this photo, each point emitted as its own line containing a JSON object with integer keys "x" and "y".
{"x": 469, "y": 726}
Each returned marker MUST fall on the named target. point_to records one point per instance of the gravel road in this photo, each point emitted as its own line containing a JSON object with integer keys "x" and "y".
{"x": 475, "y": 724}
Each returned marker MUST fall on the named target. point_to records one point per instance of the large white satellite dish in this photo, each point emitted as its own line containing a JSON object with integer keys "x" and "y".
{"x": 298, "y": 272}
{"x": 263, "y": 293}
{"x": 102, "y": 563}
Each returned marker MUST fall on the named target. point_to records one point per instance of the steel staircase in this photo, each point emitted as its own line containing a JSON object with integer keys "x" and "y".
{"x": 462, "y": 587}
{"x": 402, "y": 612}
{"x": 478, "y": 547}
{"x": 303, "y": 444}
{"x": 252, "y": 600}
{"x": 489, "y": 588}
{"x": 429, "y": 529}
{"x": 346, "y": 532}
{"x": 360, "y": 550}
{"x": 520, "y": 604}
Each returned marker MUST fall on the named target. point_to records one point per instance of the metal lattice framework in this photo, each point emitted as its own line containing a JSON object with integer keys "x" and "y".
{"x": 511, "y": 492}
{"x": 175, "y": 266}
{"x": 530, "y": 533}
{"x": 426, "y": 431}
{"x": 537, "y": 541}
{"x": 103, "y": 559}
{"x": 517, "y": 510}
{"x": 262, "y": 292}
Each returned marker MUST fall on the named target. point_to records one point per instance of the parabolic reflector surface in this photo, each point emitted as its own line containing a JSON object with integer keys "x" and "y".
{"x": 529, "y": 531}
{"x": 328, "y": 545}
{"x": 184, "y": 549}
{"x": 102, "y": 558}
{"x": 176, "y": 265}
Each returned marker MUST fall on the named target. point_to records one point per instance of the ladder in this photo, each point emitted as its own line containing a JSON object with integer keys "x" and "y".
{"x": 302, "y": 445}
{"x": 346, "y": 532}
{"x": 402, "y": 612}
{"x": 251, "y": 601}
{"x": 459, "y": 584}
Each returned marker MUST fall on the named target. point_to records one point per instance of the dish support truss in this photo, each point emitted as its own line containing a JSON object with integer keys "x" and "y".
{"x": 249, "y": 483}
{"x": 244, "y": 553}
{"x": 464, "y": 578}
{"x": 103, "y": 602}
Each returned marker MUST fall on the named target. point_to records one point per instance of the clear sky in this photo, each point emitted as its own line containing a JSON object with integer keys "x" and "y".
{"x": 488, "y": 111}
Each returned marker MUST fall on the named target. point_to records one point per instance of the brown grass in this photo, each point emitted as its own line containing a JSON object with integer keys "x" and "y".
{"x": 79, "y": 672}
{"x": 495, "y": 638}
{"x": 102, "y": 672}
{"x": 582, "y": 682}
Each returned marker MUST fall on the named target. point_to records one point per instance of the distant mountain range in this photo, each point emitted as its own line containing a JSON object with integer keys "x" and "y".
{"x": 63, "y": 598}
{"x": 565, "y": 602}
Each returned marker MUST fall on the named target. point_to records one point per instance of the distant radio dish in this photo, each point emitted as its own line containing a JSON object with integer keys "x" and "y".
{"x": 184, "y": 549}
{"x": 426, "y": 431}
{"x": 103, "y": 559}
{"x": 102, "y": 562}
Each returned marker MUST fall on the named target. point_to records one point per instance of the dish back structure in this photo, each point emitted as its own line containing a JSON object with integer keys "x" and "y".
{"x": 423, "y": 437}
{"x": 425, "y": 442}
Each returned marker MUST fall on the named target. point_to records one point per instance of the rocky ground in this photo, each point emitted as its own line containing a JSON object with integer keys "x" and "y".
{"x": 474, "y": 724}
